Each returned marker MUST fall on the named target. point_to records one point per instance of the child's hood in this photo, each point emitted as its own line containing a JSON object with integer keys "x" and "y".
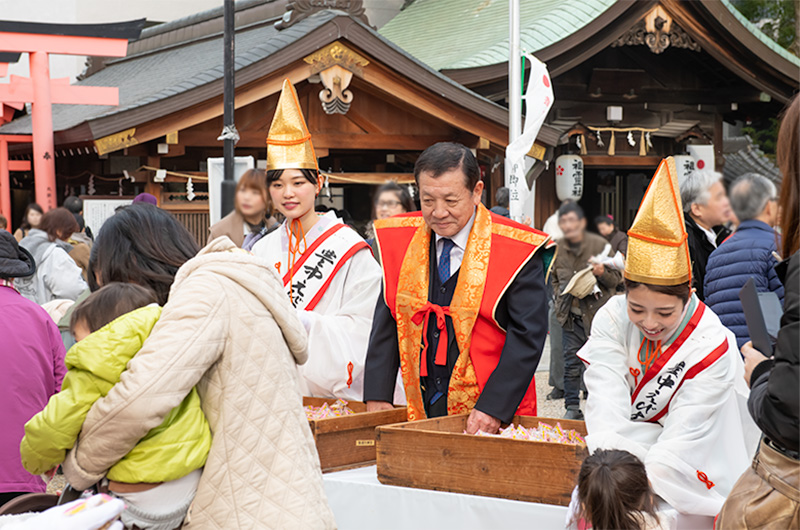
{"x": 106, "y": 352}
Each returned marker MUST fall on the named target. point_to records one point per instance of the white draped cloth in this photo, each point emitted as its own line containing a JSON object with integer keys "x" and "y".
{"x": 694, "y": 435}
{"x": 340, "y": 324}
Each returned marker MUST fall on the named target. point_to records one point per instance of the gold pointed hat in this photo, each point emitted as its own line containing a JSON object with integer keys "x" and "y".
{"x": 658, "y": 253}
{"x": 289, "y": 142}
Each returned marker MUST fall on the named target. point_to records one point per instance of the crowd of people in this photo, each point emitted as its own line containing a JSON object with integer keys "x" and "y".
{"x": 172, "y": 377}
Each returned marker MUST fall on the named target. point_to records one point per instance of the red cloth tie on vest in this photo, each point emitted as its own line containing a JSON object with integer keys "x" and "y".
{"x": 423, "y": 315}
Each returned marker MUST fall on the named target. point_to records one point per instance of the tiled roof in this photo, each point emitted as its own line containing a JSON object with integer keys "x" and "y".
{"x": 453, "y": 34}
{"x": 774, "y": 46}
{"x": 160, "y": 74}
{"x": 743, "y": 156}
{"x": 459, "y": 34}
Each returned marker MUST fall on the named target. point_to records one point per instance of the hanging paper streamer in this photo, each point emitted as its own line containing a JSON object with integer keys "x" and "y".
{"x": 91, "y": 190}
{"x": 644, "y": 140}
{"x": 119, "y": 188}
{"x": 189, "y": 190}
{"x": 411, "y": 190}
{"x": 327, "y": 188}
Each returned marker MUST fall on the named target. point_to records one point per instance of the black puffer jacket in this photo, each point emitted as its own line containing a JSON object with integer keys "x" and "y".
{"x": 774, "y": 399}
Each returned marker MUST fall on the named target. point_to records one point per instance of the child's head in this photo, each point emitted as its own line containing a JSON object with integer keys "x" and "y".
{"x": 106, "y": 304}
{"x": 614, "y": 491}
{"x": 3, "y": 223}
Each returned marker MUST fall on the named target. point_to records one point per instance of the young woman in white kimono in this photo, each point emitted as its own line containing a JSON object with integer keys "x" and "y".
{"x": 327, "y": 269}
{"x": 664, "y": 376}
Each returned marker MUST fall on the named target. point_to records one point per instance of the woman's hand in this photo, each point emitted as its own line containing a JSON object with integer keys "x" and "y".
{"x": 752, "y": 358}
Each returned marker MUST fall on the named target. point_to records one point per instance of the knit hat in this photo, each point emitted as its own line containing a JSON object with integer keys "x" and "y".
{"x": 15, "y": 261}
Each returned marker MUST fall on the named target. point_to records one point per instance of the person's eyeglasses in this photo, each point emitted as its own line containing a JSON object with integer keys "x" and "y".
{"x": 388, "y": 204}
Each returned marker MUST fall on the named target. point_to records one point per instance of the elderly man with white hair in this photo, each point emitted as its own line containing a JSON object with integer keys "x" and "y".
{"x": 706, "y": 209}
{"x": 749, "y": 253}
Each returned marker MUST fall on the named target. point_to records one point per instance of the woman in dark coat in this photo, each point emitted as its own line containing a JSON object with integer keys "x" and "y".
{"x": 768, "y": 494}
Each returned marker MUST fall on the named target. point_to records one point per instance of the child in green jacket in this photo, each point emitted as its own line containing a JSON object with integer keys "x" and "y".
{"x": 158, "y": 478}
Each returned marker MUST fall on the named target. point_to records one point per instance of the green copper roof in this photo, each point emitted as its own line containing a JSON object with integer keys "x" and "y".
{"x": 452, "y": 34}
{"x": 456, "y": 34}
{"x": 763, "y": 37}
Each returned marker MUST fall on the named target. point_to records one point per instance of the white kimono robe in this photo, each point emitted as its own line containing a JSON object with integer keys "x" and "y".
{"x": 340, "y": 324}
{"x": 686, "y": 418}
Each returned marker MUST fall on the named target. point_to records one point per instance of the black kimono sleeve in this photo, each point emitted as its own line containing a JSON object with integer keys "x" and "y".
{"x": 523, "y": 313}
{"x": 383, "y": 356}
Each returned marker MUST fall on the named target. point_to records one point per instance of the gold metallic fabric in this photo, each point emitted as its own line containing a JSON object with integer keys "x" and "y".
{"x": 658, "y": 252}
{"x": 289, "y": 142}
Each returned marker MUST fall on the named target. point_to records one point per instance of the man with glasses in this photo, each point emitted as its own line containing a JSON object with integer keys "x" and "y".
{"x": 748, "y": 253}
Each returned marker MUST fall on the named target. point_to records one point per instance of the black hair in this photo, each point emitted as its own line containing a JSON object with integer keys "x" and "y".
{"x": 447, "y": 156}
{"x": 80, "y": 221}
{"x": 141, "y": 244}
{"x": 614, "y": 491}
{"x": 604, "y": 219}
{"x": 109, "y": 303}
{"x": 73, "y": 204}
{"x": 25, "y": 225}
{"x": 312, "y": 175}
{"x": 400, "y": 192}
{"x": 570, "y": 207}
{"x": 682, "y": 290}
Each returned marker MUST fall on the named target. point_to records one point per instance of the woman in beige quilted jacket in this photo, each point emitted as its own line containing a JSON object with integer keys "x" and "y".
{"x": 228, "y": 329}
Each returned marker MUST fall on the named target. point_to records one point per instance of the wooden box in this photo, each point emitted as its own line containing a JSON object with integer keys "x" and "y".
{"x": 349, "y": 441}
{"x": 436, "y": 454}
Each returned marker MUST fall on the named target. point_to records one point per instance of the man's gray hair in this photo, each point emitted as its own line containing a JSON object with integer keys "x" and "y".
{"x": 502, "y": 196}
{"x": 694, "y": 189}
{"x": 749, "y": 195}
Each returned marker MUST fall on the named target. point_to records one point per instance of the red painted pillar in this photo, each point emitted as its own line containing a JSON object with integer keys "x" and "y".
{"x": 44, "y": 163}
{"x": 5, "y": 182}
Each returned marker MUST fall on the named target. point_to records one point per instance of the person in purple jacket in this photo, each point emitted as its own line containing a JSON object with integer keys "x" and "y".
{"x": 31, "y": 367}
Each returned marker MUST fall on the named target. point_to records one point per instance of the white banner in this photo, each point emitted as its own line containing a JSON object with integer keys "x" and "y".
{"x": 538, "y": 100}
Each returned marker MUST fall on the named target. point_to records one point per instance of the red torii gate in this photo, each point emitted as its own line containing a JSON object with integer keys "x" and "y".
{"x": 39, "y": 41}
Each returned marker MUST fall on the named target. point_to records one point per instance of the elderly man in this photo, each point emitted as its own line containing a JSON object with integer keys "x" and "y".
{"x": 746, "y": 254}
{"x": 706, "y": 209}
{"x": 463, "y": 313}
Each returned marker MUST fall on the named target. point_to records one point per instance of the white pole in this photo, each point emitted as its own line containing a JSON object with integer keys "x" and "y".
{"x": 514, "y": 87}
{"x": 514, "y": 74}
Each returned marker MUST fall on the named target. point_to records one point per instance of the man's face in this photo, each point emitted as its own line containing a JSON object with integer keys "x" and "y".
{"x": 447, "y": 203}
{"x": 572, "y": 226}
{"x": 717, "y": 211}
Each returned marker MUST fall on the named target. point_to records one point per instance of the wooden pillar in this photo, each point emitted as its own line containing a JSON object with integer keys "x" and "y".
{"x": 44, "y": 162}
{"x": 5, "y": 181}
{"x": 153, "y": 188}
{"x": 719, "y": 157}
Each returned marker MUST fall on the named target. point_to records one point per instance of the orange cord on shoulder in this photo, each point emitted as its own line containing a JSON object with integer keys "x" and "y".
{"x": 294, "y": 251}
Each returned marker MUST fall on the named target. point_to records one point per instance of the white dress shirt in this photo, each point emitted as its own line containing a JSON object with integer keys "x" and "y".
{"x": 460, "y": 245}
{"x": 710, "y": 234}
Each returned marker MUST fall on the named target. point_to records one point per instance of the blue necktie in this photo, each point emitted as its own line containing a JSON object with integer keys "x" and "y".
{"x": 444, "y": 259}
